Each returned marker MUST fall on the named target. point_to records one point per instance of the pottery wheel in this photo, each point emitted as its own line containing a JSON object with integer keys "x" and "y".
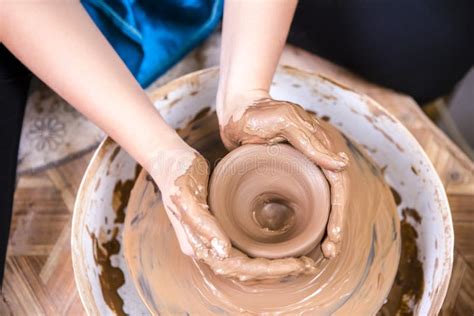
{"x": 357, "y": 281}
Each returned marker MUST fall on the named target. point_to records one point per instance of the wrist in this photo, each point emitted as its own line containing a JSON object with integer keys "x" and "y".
{"x": 232, "y": 104}
{"x": 166, "y": 156}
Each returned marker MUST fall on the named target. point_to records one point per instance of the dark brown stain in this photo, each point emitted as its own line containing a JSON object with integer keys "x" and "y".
{"x": 455, "y": 176}
{"x": 193, "y": 93}
{"x": 194, "y": 124}
{"x": 327, "y": 96}
{"x": 136, "y": 219}
{"x": 409, "y": 283}
{"x": 387, "y": 136}
{"x": 407, "y": 211}
{"x": 377, "y": 111}
{"x": 312, "y": 112}
{"x": 396, "y": 196}
{"x": 414, "y": 170}
{"x": 153, "y": 183}
{"x": 340, "y": 85}
{"x": 372, "y": 150}
{"x": 111, "y": 278}
{"x": 114, "y": 154}
{"x": 112, "y": 158}
{"x": 173, "y": 103}
{"x": 325, "y": 118}
{"x": 202, "y": 113}
{"x": 121, "y": 195}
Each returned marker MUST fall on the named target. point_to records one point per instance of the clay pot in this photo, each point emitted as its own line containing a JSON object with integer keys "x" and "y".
{"x": 272, "y": 201}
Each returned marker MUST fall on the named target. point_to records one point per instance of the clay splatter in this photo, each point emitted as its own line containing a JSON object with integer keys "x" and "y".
{"x": 111, "y": 278}
{"x": 121, "y": 196}
{"x": 396, "y": 196}
{"x": 409, "y": 283}
{"x": 150, "y": 179}
{"x": 412, "y": 213}
{"x": 114, "y": 154}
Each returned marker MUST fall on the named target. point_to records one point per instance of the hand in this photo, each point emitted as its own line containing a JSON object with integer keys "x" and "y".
{"x": 255, "y": 118}
{"x": 182, "y": 175}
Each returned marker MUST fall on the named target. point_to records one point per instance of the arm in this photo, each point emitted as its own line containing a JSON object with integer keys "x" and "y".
{"x": 58, "y": 42}
{"x": 254, "y": 35}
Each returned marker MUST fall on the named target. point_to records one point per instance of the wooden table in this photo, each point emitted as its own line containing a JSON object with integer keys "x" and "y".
{"x": 39, "y": 278}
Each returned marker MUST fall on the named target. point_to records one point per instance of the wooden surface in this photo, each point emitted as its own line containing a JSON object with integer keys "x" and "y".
{"x": 39, "y": 278}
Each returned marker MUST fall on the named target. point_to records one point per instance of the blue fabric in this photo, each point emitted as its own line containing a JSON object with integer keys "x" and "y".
{"x": 152, "y": 35}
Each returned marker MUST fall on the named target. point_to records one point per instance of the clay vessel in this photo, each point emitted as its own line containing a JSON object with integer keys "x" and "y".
{"x": 272, "y": 201}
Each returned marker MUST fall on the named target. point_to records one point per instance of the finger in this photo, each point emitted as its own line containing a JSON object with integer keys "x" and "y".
{"x": 339, "y": 182}
{"x": 307, "y": 142}
{"x": 230, "y": 145}
{"x": 243, "y": 268}
{"x": 193, "y": 212}
{"x": 201, "y": 223}
{"x": 190, "y": 243}
{"x": 181, "y": 235}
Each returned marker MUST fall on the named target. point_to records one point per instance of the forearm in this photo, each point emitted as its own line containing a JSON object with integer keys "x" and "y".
{"x": 254, "y": 34}
{"x": 58, "y": 42}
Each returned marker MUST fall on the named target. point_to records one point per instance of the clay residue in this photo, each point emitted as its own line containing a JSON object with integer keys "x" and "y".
{"x": 396, "y": 196}
{"x": 111, "y": 278}
{"x": 193, "y": 123}
{"x": 370, "y": 119}
{"x": 411, "y": 212}
{"x": 177, "y": 283}
{"x": 121, "y": 195}
{"x": 107, "y": 244}
{"x": 114, "y": 154}
{"x": 407, "y": 289}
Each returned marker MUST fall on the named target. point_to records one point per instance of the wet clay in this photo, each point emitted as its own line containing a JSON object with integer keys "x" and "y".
{"x": 106, "y": 244}
{"x": 356, "y": 281}
{"x": 111, "y": 278}
{"x": 272, "y": 201}
{"x": 408, "y": 287}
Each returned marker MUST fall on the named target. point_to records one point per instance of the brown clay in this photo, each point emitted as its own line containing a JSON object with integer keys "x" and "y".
{"x": 356, "y": 281}
{"x": 272, "y": 201}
